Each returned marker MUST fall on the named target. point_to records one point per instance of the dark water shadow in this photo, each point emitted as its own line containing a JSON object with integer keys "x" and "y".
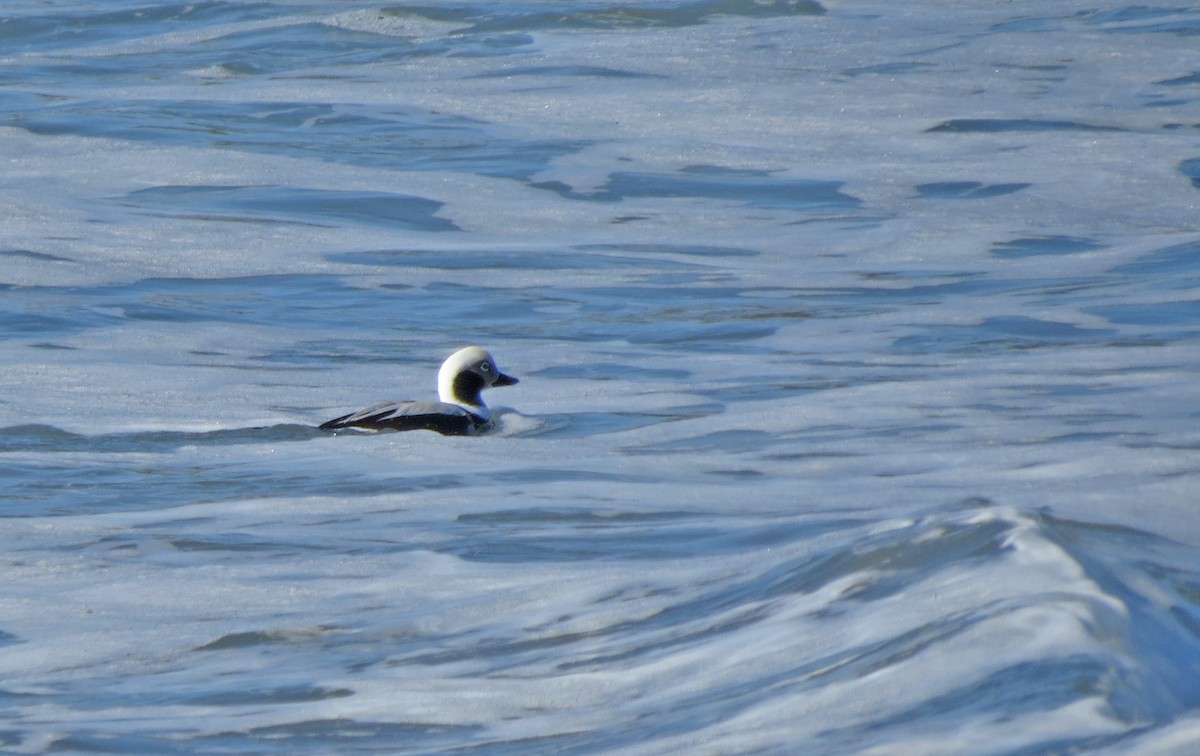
{"x": 282, "y": 204}
{"x": 967, "y": 190}
{"x": 1009, "y": 125}
{"x": 47, "y": 438}
{"x": 760, "y": 189}
{"x": 1035, "y": 246}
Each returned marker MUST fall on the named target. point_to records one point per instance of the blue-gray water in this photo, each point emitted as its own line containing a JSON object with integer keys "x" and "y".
{"x": 858, "y": 347}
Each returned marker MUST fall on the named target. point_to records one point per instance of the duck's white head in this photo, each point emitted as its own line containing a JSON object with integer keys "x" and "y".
{"x": 465, "y": 374}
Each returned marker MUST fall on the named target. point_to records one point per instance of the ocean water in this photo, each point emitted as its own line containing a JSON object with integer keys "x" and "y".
{"x": 858, "y": 343}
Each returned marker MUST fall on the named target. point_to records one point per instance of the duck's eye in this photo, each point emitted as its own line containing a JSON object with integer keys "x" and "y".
{"x": 485, "y": 367}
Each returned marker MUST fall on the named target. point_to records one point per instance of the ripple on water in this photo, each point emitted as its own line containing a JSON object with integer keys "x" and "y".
{"x": 760, "y": 189}
{"x": 280, "y": 204}
{"x": 366, "y": 135}
{"x": 1035, "y": 246}
{"x": 999, "y": 334}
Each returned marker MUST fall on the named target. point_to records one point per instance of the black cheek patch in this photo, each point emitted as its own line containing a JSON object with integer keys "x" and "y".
{"x": 467, "y": 386}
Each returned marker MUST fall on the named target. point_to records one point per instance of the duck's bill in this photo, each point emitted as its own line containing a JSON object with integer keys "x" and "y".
{"x": 505, "y": 380}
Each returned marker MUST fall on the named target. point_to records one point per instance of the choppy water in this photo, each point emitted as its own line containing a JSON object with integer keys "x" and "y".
{"x": 858, "y": 354}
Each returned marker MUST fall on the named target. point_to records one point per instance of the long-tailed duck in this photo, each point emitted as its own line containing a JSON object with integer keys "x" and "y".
{"x": 461, "y": 410}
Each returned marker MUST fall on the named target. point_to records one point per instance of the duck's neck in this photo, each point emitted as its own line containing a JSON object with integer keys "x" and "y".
{"x": 465, "y": 390}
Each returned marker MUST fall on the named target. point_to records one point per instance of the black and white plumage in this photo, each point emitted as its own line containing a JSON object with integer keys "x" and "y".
{"x": 461, "y": 411}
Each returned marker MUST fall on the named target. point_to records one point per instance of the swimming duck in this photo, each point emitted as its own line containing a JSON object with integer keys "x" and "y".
{"x": 461, "y": 411}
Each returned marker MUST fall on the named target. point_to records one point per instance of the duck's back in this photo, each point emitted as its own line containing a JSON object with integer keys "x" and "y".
{"x": 447, "y": 419}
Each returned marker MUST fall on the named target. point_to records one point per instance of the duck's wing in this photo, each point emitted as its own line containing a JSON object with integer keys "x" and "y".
{"x": 447, "y": 419}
